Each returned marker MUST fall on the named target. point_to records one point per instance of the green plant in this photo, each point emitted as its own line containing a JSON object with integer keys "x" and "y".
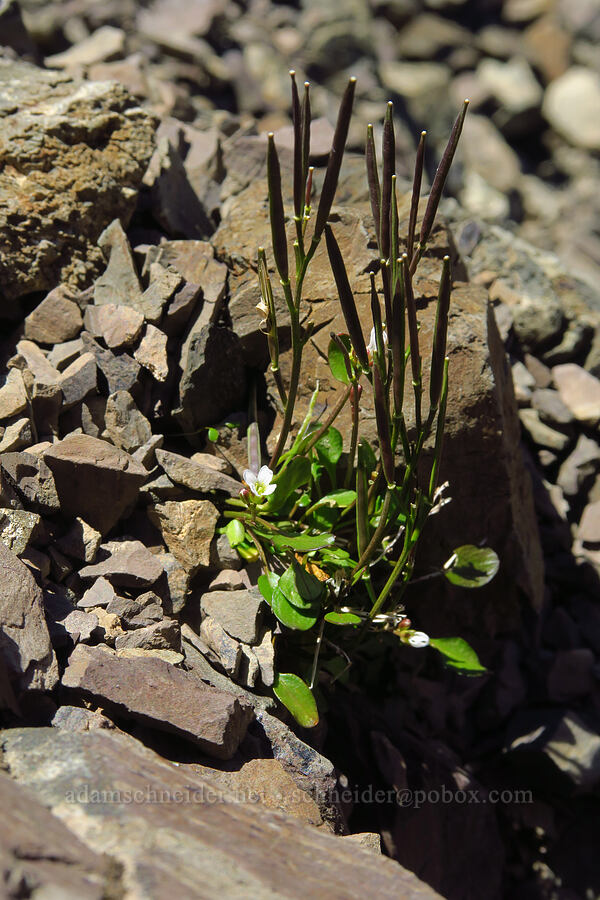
{"x": 336, "y": 532}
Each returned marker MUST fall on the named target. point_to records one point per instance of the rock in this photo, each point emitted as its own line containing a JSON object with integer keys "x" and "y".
{"x": 24, "y": 640}
{"x": 130, "y": 564}
{"x": 119, "y": 284}
{"x": 126, "y": 427}
{"x": 524, "y": 10}
{"x": 537, "y": 322}
{"x": 101, "y": 593}
{"x": 103, "y": 44}
{"x": 579, "y": 391}
{"x": 229, "y": 580}
{"x": 17, "y": 435}
{"x": 178, "y": 582}
{"x": 542, "y": 434}
{"x": 94, "y": 178}
{"x": 32, "y": 479}
{"x": 223, "y": 555}
{"x": 550, "y": 407}
{"x": 158, "y": 694}
{"x": 78, "y": 380}
{"x": 19, "y": 529}
{"x": 488, "y": 154}
{"x": 187, "y": 528}
{"x": 80, "y": 542}
{"x": 195, "y": 476}
{"x": 146, "y": 454}
{"x": 195, "y": 261}
{"x": 513, "y": 85}
{"x": 152, "y": 353}
{"x": 79, "y": 462}
{"x": 163, "y": 635}
{"x": 30, "y": 356}
{"x": 62, "y": 355}
{"x": 37, "y": 849}
{"x": 589, "y": 526}
{"x": 56, "y": 319}
{"x": 215, "y": 462}
{"x": 163, "y": 284}
{"x": 571, "y": 105}
{"x": 265, "y": 655}
{"x": 523, "y": 383}
{"x": 548, "y": 47}
{"x": 580, "y": 466}
{"x": 121, "y": 372}
{"x": 213, "y": 381}
{"x": 177, "y": 206}
{"x": 13, "y": 398}
{"x": 173, "y": 845}
{"x": 366, "y": 839}
{"x": 109, "y": 625}
{"x": 574, "y": 343}
{"x": 181, "y": 307}
{"x": 118, "y": 326}
{"x": 77, "y": 718}
{"x": 68, "y": 626}
{"x": 143, "y": 611}
{"x": 238, "y": 612}
{"x": 227, "y": 650}
{"x": 168, "y": 656}
{"x": 427, "y": 36}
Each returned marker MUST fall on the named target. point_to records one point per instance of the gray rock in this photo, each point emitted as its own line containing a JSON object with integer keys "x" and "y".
{"x": 574, "y": 343}
{"x": 101, "y": 593}
{"x": 126, "y": 426}
{"x": 537, "y": 322}
{"x": 24, "y": 640}
{"x": 187, "y": 528}
{"x": 129, "y": 564}
{"x": 118, "y": 326}
{"x": 143, "y": 611}
{"x": 227, "y": 650}
{"x": 80, "y": 542}
{"x": 157, "y": 693}
{"x": 120, "y": 371}
{"x": 177, "y": 588}
{"x": 32, "y": 479}
{"x": 542, "y": 434}
{"x": 223, "y": 555}
{"x": 571, "y": 106}
{"x": 68, "y": 626}
{"x": 550, "y": 407}
{"x": 17, "y": 435}
{"x": 94, "y": 178}
{"x": 229, "y": 580}
{"x": 102, "y": 44}
{"x": 62, "y": 355}
{"x": 20, "y": 529}
{"x": 579, "y": 391}
{"x": 146, "y": 454}
{"x": 564, "y": 739}
{"x": 56, "y": 319}
{"x": 79, "y": 461}
{"x": 163, "y": 635}
{"x": 589, "y": 526}
{"x": 163, "y": 284}
{"x": 78, "y": 379}
{"x": 152, "y": 353}
{"x": 238, "y": 612}
{"x": 30, "y": 356}
{"x": 265, "y": 655}
{"x": 119, "y": 284}
{"x": 580, "y": 466}
{"x": 13, "y": 397}
{"x": 195, "y": 476}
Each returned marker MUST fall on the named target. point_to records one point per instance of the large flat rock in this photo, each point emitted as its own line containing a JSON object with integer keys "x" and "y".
{"x": 178, "y": 835}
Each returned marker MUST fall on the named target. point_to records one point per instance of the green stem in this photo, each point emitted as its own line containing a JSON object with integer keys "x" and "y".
{"x": 353, "y": 437}
{"x": 317, "y": 435}
{"x": 375, "y": 540}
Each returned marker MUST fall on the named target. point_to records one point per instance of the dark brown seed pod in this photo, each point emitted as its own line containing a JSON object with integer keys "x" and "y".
{"x": 441, "y": 174}
{"x": 276, "y": 210}
{"x": 346, "y": 298}
{"x": 383, "y": 427}
{"x": 373, "y": 181}
{"x": 397, "y": 340}
{"x": 389, "y": 168}
{"x": 377, "y": 326}
{"x": 335, "y": 160}
{"x": 416, "y": 193}
{"x": 306, "y": 119}
{"x": 297, "y": 125}
{"x": 438, "y": 352}
{"x": 413, "y": 327}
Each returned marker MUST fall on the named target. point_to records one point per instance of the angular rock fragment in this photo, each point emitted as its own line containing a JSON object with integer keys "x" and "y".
{"x": 80, "y": 542}
{"x": 24, "y": 640}
{"x": 19, "y": 529}
{"x": 78, "y": 379}
{"x": 119, "y": 283}
{"x": 103, "y": 44}
{"x": 152, "y": 353}
{"x": 63, "y": 354}
{"x": 120, "y": 371}
{"x": 94, "y": 480}
{"x": 579, "y": 391}
{"x": 227, "y": 650}
{"x": 158, "y": 694}
{"x": 130, "y": 564}
{"x": 196, "y": 476}
{"x": 143, "y": 611}
{"x": 187, "y": 528}
{"x": 56, "y": 319}
{"x": 13, "y": 397}
{"x": 101, "y": 593}
{"x": 118, "y": 326}
{"x": 17, "y": 435}
{"x": 238, "y": 612}
{"x": 163, "y": 284}
{"x": 126, "y": 427}
{"x": 163, "y": 635}
{"x": 32, "y": 479}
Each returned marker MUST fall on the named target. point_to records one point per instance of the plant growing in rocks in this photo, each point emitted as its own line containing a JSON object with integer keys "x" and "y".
{"x": 336, "y": 531}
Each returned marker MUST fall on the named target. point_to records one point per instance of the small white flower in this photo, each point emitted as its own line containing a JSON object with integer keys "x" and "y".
{"x": 260, "y": 484}
{"x": 418, "y": 639}
{"x": 372, "y": 345}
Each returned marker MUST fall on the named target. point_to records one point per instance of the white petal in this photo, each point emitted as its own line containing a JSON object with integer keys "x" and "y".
{"x": 269, "y": 489}
{"x": 265, "y": 475}
{"x": 249, "y": 477}
{"x": 418, "y": 639}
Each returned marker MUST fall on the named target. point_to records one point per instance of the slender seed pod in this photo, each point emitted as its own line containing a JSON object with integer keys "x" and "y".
{"x": 389, "y": 167}
{"x": 309, "y": 184}
{"x": 439, "y": 433}
{"x": 394, "y": 238}
{"x": 413, "y": 326}
{"x": 346, "y": 298}
{"x": 298, "y": 160}
{"x": 335, "y": 160}
{"x": 397, "y": 340}
{"x": 373, "y": 181}
{"x": 276, "y": 210}
{"x": 416, "y": 193}
{"x": 383, "y": 427}
{"x": 306, "y": 119}
{"x": 438, "y": 352}
{"x": 441, "y": 174}
{"x": 362, "y": 526}
{"x": 377, "y": 327}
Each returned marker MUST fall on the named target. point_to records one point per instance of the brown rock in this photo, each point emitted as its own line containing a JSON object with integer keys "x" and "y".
{"x": 119, "y": 326}
{"x": 130, "y": 564}
{"x": 101, "y": 593}
{"x": 13, "y": 398}
{"x": 162, "y": 696}
{"x": 126, "y": 426}
{"x": 196, "y": 476}
{"x": 29, "y": 356}
{"x": 187, "y": 528}
{"x": 163, "y": 635}
{"x": 227, "y": 650}
{"x": 17, "y": 435}
{"x": 152, "y": 353}
{"x": 80, "y": 542}
{"x": 78, "y": 380}
{"x": 238, "y": 612}
{"x": 56, "y": 319}
{"x": 24, "y": 640}
{"x": 579, "y": 391}
{"x": 94, "y": 480}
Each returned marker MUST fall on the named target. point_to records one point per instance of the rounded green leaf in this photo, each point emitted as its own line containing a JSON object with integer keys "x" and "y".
{"x": 290, "y": 615}
{"x": 296, "y": 696}
{"x": 301, "y": 542}
{"x": 213, "y": 435}
{"x": 339, "y": 618}
{"x": 300, "y": 587}
{"x": 235, "y": 532}
{"x": 266, "y": 584}
{"x": 458, "y": 654}
{"x": 331, "y": 446}
{"x": 471, "y": 566}
{"x": 336, "y": 359}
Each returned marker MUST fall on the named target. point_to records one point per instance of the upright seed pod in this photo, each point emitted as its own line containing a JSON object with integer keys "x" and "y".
{"x": 276, "y": 213}
{"x": 389, "y": 167}
{"x": 382, "y": 417}
{"x": 438, "y": 353}
{"x": 416, "y": 193}
{"x": 346, "y": 298}
{"x": 377, "y": 328}
{"x": 397, "y": 341}
{"x": 362, "y": 522}
{"x": 413, "y": 332}
{"x": 297, "y": 126}
{"x": 373, "y": 182}
{"x": 306, "y": 119}
{"x": 335, "y": 161}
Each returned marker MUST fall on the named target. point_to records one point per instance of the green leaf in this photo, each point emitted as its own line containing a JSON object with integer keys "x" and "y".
{"x": 289, "y": 615}
{"x": 235, "y": 532}
{"x": 301, "y": 542}
{"x": 339, "y": 618}
{"x": 323, "y": 518}
{"x": 472, "y": 566}
{"x": 291, "y": 477}
{"x": 266, "y": 584}
{"x": 339, "y": 497}
{"x": 297, "y": 697}
{"x": 458, "y": 654}
{"x": 330, "y": 446}
{"x": 300, "y": 587}
{"x": 247, "y": 551}
{"x": 213, "y": 435}
{"x": 336, "y": 359}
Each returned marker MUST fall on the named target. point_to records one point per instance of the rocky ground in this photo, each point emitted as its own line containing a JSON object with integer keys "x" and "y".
{"x": 136, "y": 653}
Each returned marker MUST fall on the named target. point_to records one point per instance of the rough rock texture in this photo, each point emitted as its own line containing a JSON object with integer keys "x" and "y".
{"x": 157, "y": 693}
{"x": 24, "y": 640}
{"x": 85, "y": 145}
{"x": 80, "y": 460}
{"x": 198, "y": 842}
